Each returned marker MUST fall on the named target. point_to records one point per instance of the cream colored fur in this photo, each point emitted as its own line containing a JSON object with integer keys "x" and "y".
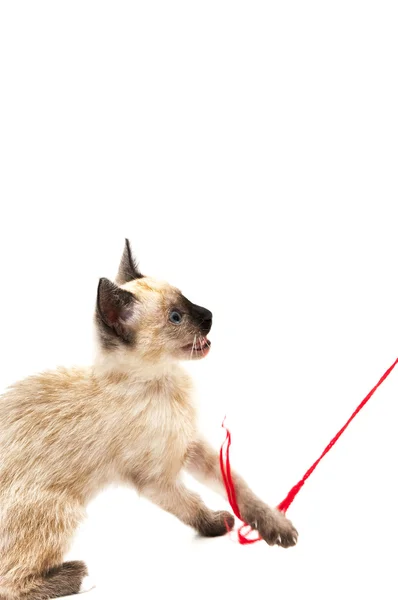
{"x": 65, "y": 435}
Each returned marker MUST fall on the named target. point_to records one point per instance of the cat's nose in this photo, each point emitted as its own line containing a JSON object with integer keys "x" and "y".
{"x": 207, "y": 314}
{"x": 207, "y": 321}
{"x": 203, "y": 317}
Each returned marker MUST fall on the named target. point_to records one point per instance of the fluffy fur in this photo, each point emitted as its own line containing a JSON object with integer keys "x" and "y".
{"x": 65, "y": 435}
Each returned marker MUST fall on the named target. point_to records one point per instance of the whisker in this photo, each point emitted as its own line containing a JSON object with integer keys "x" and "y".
{"x": 193, "y": 345}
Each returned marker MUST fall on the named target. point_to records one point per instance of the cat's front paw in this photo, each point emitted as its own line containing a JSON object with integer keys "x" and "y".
{"x": 274, "y": 527}
{"x": 214, "y": 524}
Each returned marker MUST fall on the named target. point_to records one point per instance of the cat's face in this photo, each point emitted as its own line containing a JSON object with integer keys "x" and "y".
{"x": 150, "y": 318}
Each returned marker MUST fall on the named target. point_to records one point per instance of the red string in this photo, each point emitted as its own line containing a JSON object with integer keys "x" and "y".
{"x": 284, "y": 505}
{"x": 225, "y": 467}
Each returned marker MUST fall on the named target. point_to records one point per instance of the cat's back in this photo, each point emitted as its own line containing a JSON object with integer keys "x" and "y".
{"x": 47, "y": 410}
{"x": 37, "y": 398}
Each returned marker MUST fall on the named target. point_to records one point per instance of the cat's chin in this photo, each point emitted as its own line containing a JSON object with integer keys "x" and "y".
{"x": 197, "y": 350}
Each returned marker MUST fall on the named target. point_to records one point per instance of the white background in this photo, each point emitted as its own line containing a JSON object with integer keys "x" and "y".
{"x": 249, "y": 151}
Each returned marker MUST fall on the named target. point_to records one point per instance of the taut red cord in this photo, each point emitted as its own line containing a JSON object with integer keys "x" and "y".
{"x": 284, "y": 505}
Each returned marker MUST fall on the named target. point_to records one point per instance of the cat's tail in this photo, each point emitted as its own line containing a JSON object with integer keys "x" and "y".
{"x": 64, "y": 580}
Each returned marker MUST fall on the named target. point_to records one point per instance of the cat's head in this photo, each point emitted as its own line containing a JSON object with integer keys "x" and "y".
{"x": 149, "y": 318}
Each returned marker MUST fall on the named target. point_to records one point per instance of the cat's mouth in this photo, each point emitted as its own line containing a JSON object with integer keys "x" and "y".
{"x": 199, "y": 348}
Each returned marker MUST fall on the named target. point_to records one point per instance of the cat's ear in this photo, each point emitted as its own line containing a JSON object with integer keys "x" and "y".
{"x": 128, "y": 268}
{"x": 114, "y": 308}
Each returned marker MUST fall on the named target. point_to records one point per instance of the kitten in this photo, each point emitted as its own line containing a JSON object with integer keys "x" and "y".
{"x": 67, "y": 434}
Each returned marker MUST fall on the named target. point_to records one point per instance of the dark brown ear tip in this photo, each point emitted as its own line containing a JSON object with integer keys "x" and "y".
{"x": 127, "y": 247}
{"x": 104, "y": 281}
{"x": 105, "y": 288}
{"x": 128, "y": 268}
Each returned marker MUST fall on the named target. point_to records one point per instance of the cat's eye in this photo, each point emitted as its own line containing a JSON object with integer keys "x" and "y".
{"x": 175, "y": 317}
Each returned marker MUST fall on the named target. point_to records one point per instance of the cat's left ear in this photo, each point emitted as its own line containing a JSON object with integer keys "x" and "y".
{"x": 115, "y": 307}
{"x": 128, "y": 268}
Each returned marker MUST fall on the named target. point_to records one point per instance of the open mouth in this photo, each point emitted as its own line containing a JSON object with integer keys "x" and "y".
{"x": 200, "y": 347}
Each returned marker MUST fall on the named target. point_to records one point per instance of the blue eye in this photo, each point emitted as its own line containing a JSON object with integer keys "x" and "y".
{"x": 175, "y": 317}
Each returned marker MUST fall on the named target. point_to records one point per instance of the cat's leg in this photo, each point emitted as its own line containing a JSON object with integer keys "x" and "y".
{"x": 35, "y": 534}
{"x": 203, "y": 463}
{"x": 187, "y": 506}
